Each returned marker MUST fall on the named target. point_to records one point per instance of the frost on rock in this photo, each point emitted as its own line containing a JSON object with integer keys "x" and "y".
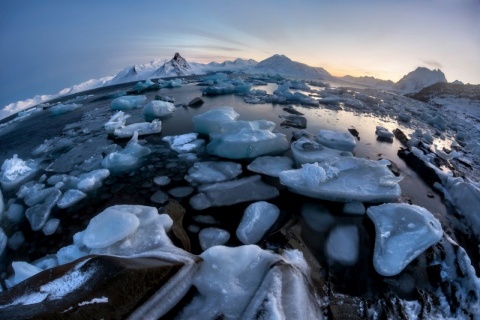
{"x": 344, "y": 179}
{"x": 246, "y": 281}
{"x": 115, "y": 122}
{"x": 70, "y": 198}
{"x": 232, "y": 192}
{"x": 126, "y": 159}
{"x": 15, "y": 172}
{"x": 213, "y": 171}
{"x": 156, "y": 109}
{"x": 142, "y": 128}
{"x": 210, "y": 237}
{"x": 257, "y": 219}
{"x": 403, "y": 232}
{"x": 247, "y": 144}
{"x": 270, "y": 166}
{"x": 342, "y": 245}
{"x": 307, "y": 151}
{"x": 184, "y": 143}
{"x": 210, "y": 121}
{"x": 128, "y": 102}
{"x": 343, "y": 141}
{"x": 92, "y": 180}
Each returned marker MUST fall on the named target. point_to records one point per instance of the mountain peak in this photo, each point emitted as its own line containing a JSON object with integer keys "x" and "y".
{"x": 419, "y": 78}
{"x": 281, "y": 64}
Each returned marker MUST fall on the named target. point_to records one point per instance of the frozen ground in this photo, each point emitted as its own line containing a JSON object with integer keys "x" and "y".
{"x": 324, "y": 252}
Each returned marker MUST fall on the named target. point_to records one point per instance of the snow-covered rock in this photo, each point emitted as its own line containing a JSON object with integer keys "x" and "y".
{"x": 344, "y": 179}
{"x": 403, "y": 232}
{"x": 257, "y": 219}
{"x": 419, "y": 79}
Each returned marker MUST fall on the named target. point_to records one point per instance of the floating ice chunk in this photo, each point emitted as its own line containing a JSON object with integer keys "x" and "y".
{"x": 342, "y": 245}
{"x": 161, "y": 180}
{"x": 383, "y": 134}
{"x": 336, "y": 140}
{"x": 143, "y": 128}
{"x": 210, "y": 237}
{"x": 22, "y": 270}
{"x": 3, "y": 240}
{"x": 213, "y": 171}
{"x": 51, "y": 226}
{"x": 270, "y": 166}
{"x": 128, "y": 102}
{"x": 247, "y": 144}
{"x": 70, "y": 253}
{"x": 34, "y": 197}
{"x": 92, "y": 180}
{"x": 15, "y": 171}
{"x": 209, "y": 121}
{"x": 115, "y": 122}
{"x": 317, "y": 216}
{"x": 227, "y": 87}
{"x": 110, "y": 226}
{"x": 307, "y": 151}
{"x": 15, "y": 241}
{"x": 180, "y": 192}
{"x": 232, "y": 192}
{"x": 257, "y": 219}
{"x": 356, "y": 208}
{"x": 184, "y": 143}
{"x": 159, "y": 197}
{"x": 39, "y": 214}
{"x": 403, "y": 232}
{"x": 144, "y": 86}
{"x": 156, "y": 109}
{"x": 126, "y": 159}
{"x": 15, "y": 212}
{"x": 71, "y": 197}
{"x": 174, "y": 83}
{"x": 343, "y": 179}
{"x": 236, "y": 126}
{"x": 297, "y": 97}
{"x": 67, "y": 181}
{"x": 465, "y": 197}
{"x": 64, "y": 108}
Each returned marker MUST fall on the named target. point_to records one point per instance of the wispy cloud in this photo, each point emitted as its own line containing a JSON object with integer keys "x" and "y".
{"x": 433, "y": 64}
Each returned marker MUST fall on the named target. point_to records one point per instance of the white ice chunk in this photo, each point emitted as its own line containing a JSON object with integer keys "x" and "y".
{"x": 354, "y": 208}
{"x": 71, "y": 197}
{"x": 180, "y": 192}
{"x": 70, "y": 253}
{"x": 342, "y": 244}
{"x": 344, "y": 141}
{"x": 317, "y": 217}
{"x": 116, "y": 121}
{"x": 247, "y": 144}
{"x": 184, "y": 143}
{"x": 157, "y": 108}
{"x": 92, "y": 180}
{"x": 51, "y": 226}
{"x": 143, "y": 128}
{"x": 257, "y": 219}
{"x": 209, "y": 121}
{"x": 15, "y": 171}
{"x": 34, "y": 197}
{"x": 383, "y": 133}
{"x": 64, "y": 108}
{"x": 307, "y": 151}
{"x": 15, "y": 212}
{"x": 161, "y": 180}
{"x": 110, "y": 226}
{"x": 465, "y": 197}
{"x": 270, "y": 166}
{"x": 232, "y": 192}
{"x": 22, "y": 270}
{"x": 403, "y": 232}
{"x": 159, "y": 197}
{"x": 128, "y": 102}
{"x": 236, "y": 126}
{"x": 210, "y": 237}
{"x": 39, "y": 214}
{"x": 213, "y": 171}
{"x": 343, "y": 179}
{"x": 126, "y": 159}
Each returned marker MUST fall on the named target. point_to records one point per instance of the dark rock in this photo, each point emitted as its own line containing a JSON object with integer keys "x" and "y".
{"x": 355, "y": 133}
{"x": 291, "y": 110}
{"x": 294, "y": 121}
{"x": 196, "y": 102}
{"x": 428, "y": 173}
{"x": 177, "y": 213}
{"x": 400, "y": 136}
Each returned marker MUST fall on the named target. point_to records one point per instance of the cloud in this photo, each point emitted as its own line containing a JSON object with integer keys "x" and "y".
{"x": 433, "y": 64}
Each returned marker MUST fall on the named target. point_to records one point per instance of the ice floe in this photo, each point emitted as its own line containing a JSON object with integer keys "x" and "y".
{"x": 16, "y": 171}
{"x": 128, "y": 102}
{"x": 213, "y": 171}
{"x": 337, "y": 140}
{"x": 185, "y": 143}
{"x": 210, "y": 237}
{"x": 142, "y": 128}
{"x": 257, "y": 219}
{"x": 270, "y": 166}
{"x": 126, "y": 159}
{"x": 210, "y": 120}
{"x": 308, "y": 151}
{"x": 157, "y": 109}
{"x": 342, "y": 244}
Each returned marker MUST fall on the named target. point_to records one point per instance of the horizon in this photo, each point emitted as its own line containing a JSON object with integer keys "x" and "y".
{"x": 53, "y": 45}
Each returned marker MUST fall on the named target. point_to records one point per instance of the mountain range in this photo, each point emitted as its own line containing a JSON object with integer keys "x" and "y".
{"x": 274, "y": 65}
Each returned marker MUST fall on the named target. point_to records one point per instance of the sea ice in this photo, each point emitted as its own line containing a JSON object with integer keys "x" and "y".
{"x": 174, "y": 83}
{"x": 64, "y": 108}
{"x": 39, "y": 213}
{"x": 355, "y": 207}
{"x": 71, "y": 197}
{"x": 237, "y": 125}
{"x": 3, "y": 241}
{"x": 342, "y": 244}
{"x": 51, "y": 226}
{"x": 232, "y": 192}
{"x": 142, "y": 128}
{"x": 159, "y": 197}
{"x": 343, "y": 141}
{"x": 257, "y": 219}
{"x": 15, "y": 241}
{"x": 128, "y": 102}
{"x": 344, "y": 179}
{"x": 15, "y": 172}
{"x": 227, "y": 87}
{"x": 465, "y": 197}
{"x": 307, "y": 151}
{"x": 15, "y": 212}
{"x": 213, "y": 171}
{"x": 270, "y": 166}
{"x": 156, "y": 109}
{"x": 317, "y": 216}
{"x": 209, "y": 121}
{"x": 210, "y": 237}
{"x": 126, "y": 159}
{"x": 403, "y": 232}
{"x": 22, "y": 270}
{"x": 92, "y": 180}
{"x": 161, "y": 180}
{"x": 247, "y": 144}
{"x": 115, "y": 122}
{"x": 383, "y": 133}
{"x": 180, "y": 192}
{"x": 184, "y": 143}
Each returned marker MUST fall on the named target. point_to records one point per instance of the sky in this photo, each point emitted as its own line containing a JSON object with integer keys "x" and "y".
{"x": 49, "y": 45}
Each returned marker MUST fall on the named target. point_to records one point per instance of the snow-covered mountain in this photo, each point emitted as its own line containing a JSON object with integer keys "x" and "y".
{"x": 177, "y": 67}
{"x": 419, "y": 79}
{"x": 238, "y": 65}
{"x": 282, "y": 65}
{"x": 369, "y": 81}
